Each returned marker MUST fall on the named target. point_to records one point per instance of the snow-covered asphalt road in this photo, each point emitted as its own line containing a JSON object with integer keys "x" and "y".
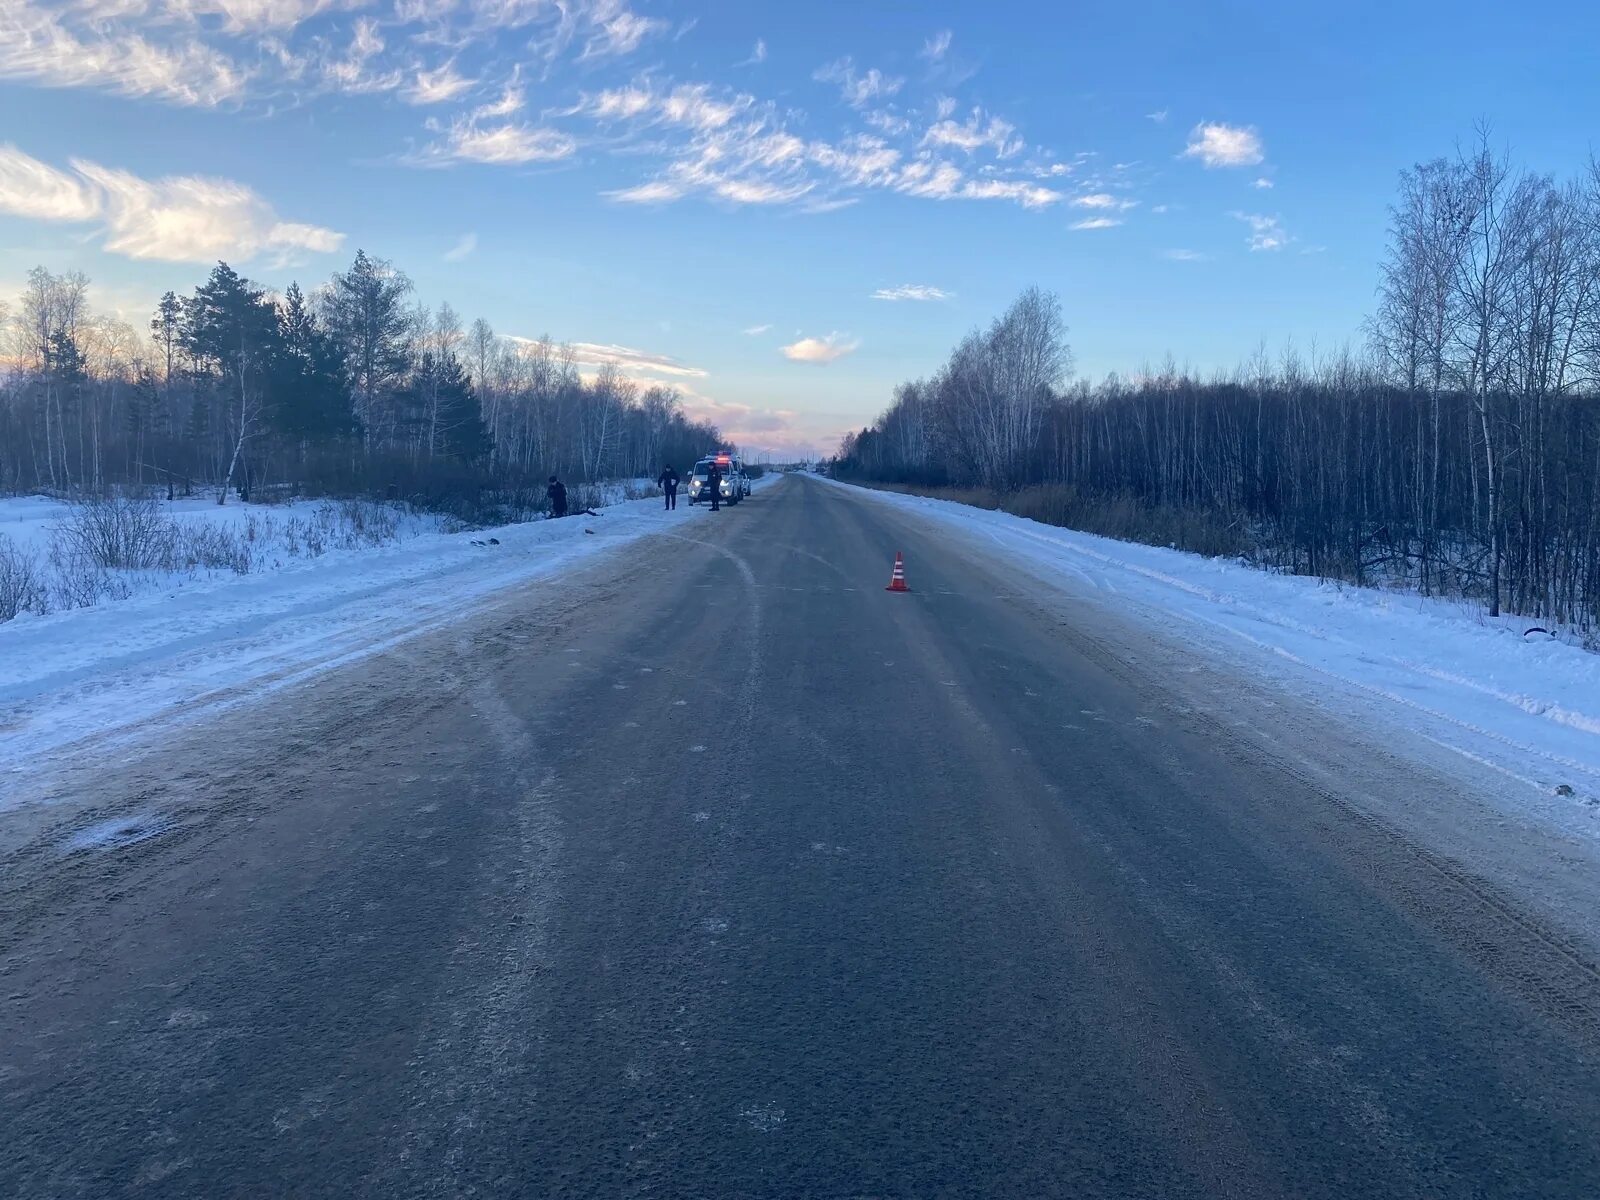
{"x": 716, "y": 870}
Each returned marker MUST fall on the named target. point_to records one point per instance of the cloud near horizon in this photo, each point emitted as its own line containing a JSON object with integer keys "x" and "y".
{"x": 821, "y": 351}
{"x": 638, "y": 361}
{"x": 644, "y": 363}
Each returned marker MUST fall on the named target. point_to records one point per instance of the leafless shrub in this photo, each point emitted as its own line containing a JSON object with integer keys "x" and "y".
{"x": 316, "y": 539}
{"x": 581, "y": 496}
{"x": 115, "y": 533}
{"x": 79, "y": 583}
{"x": 22, "y": 582}
{"x": 368, "y": 524}
{"x": 206, "y": 547}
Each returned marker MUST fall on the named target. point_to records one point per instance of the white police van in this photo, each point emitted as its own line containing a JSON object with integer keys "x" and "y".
{"x": 735, "y": 483}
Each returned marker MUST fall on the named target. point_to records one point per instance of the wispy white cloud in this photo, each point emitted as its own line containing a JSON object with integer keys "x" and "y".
{"x": 237, "y": 16}
{"x": 1219, "y": 145}
{"x": 1185, "y": 256}
{"x": 1159, "y": 116}
{"x": 463, "y": 248}
{"x": 755, "y": 191}
{"x": 862, "y": 160}
{"x": 1266, "y": 233}
{"x": 438, "y": 86}
{"x": 180, "y": 218}
{"x": 696, "y": 106}
{"x": 620, "y": 104}
{"x": 1103, "y": 202}
{"x": 757, "y": 56}
{"x": 912, "y": 291}
{"x": 720, "y": 143}
{"x": 32, "y": 189}
{"x": 619, "y": 31}
{"x": 1263, "y": 183}
{"x": 206, "y": 53}
{"x": 656, "y": 191}
{"x": 1098, "y": 223}
{"x": 506, "y": 144}
{"x": 243, "y": 16}
{"x": 360, "y": 70}
{"x": 858, "y": 89}
{"x": 512, "y": 98}
{"x": 1026, "y": 194}
{"x": 887, "y": 122}
{"x": 736, "y": 167}
{"x": 821, "y": 351}
{"x": 38, "y": 45}
{"x": 756, "y": 330}
{"x": 625, "y": 358}
{"x": 699, "y": 139}
{"x": 975, "y": 133}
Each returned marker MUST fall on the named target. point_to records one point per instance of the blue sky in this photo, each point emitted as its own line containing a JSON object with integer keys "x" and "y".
{"x": 781, "y": 209}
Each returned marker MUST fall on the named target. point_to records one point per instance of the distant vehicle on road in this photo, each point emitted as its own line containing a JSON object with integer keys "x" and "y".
{"x": 735, "y": 483}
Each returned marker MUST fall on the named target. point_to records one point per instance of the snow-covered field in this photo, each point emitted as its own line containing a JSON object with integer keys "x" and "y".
{"x": 1525, "y": 709}
{"x": 186, "y": 644}
{"x": 29, "y": 521}
{"x": 56, "y": 556}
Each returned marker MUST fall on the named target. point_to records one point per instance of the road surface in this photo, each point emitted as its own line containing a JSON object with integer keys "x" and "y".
{"x": 716, "y": 870}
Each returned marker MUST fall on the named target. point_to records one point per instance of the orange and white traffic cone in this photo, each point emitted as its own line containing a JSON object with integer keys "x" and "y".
{"x": 897, "y": 582}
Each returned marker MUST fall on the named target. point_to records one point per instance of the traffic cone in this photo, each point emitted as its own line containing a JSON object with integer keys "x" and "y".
{"x": 897, "y": 582}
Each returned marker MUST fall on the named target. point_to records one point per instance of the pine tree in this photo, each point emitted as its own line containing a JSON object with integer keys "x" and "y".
{"x": 444, "y": 404}
{"x": 311, "y": 396}
{"x": 365, "y": 312}
{"x": 230, "y": 330}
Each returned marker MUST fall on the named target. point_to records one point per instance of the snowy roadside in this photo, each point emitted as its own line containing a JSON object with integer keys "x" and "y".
{"x": 1526, "y": 708}
{"x": 90, "y": 678}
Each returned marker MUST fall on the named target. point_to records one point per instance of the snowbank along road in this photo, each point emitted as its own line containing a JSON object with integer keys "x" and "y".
{"x": 720, "y": 871}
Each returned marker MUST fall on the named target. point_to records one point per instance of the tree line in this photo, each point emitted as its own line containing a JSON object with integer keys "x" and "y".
{"x": 350, "y": 389}
{"x": 1457, "y": 452}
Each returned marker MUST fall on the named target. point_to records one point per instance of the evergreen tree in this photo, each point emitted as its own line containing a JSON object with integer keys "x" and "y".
{"x": 365, "y": 312}
{"x": 164, "y": 332}
{"x": 445, "y": 405}
{"x": 230, "y": 330}
{"x": 311, "y": 396}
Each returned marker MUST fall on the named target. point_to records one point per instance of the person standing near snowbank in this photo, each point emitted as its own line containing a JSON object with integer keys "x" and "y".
{"x": 669, "y": 487}
{"x": 557, "y": 491}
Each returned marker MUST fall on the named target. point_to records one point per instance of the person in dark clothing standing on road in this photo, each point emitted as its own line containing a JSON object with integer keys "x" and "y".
{"x": 669, "y": 487}
{"x": 557, "y": 491}
{"x": 714, "y": 482}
